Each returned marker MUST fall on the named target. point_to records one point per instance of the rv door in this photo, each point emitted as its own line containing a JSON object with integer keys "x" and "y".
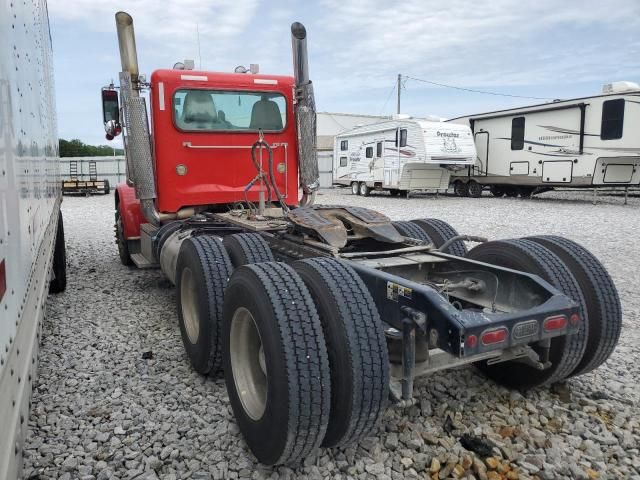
{"x": 391, "y": 162}
{"x": 482, "y": 147}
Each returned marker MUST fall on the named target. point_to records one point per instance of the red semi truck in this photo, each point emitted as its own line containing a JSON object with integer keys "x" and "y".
{"x": 319, "y": 314}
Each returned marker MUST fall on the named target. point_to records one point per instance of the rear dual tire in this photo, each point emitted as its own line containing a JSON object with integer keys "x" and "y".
{"x": 356, "y": 347}
{"x": 322, "y": 378}
{"x": 602, "y": 302}
{"x": 565, "y": 351}
{"x": 202, "y": 272}
{"x": 281, "y": 397}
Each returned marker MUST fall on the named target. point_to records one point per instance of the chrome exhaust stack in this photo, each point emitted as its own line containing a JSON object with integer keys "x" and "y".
{"x": 137, "y": 140}
{"x": 127, "y": 44}
{"x": 305, "y": 111}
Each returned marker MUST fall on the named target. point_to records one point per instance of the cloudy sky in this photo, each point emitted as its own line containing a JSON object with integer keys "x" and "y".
{"x": 547, "y": 48}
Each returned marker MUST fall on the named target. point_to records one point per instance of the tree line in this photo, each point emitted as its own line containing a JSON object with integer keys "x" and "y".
{"x": 77, "y": 148}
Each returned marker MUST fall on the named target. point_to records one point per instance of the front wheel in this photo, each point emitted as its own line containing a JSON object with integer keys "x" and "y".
{"x": 121, "y": 241}
{"x": 275, "y": 363}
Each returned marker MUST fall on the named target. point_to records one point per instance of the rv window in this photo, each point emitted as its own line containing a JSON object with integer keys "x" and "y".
{"x": 379, "y": 149}
{"x": 517, "y": 133}
{"x": 612, "y": 119}
{"x": 344, "y": 145}
{"x": 343, "y": 161}
{"x": 369, "y": 152}
{"x": 403, "y": 138}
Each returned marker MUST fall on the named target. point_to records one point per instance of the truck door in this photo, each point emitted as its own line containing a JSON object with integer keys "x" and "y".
{"x": 482, "y": 147}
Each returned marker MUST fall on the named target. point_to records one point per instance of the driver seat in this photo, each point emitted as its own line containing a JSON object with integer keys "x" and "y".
{"x": 199, "y": 108}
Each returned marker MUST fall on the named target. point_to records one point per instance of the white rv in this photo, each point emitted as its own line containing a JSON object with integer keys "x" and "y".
{"x": 401, "y": 155}
{"x": 582, "y": 142}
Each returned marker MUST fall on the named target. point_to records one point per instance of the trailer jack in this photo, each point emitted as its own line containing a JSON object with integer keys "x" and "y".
{"x": 411, "y": 320}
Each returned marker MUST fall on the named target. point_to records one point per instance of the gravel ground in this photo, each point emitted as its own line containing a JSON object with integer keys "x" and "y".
{"x": 102, "y": 411}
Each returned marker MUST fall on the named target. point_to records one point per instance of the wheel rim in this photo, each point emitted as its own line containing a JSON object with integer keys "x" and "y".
{"x": 248, "y": 363}
{"x": 189, "y": 305}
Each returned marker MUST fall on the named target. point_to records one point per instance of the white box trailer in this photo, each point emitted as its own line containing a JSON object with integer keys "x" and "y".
{"x": 32, "y": 256}
{"x": 582, "y": 142}
{"x": 402, "y": 155}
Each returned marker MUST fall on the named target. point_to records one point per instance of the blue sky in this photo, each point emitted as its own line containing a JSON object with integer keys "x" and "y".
{"x": 545, "y": 48}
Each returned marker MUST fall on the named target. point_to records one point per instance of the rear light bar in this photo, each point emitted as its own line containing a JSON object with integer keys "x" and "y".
{"x": 492, "y": 337}
{"x": 557, "y": 322}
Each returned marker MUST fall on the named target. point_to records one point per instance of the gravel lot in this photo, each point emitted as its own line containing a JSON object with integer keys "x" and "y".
{"x": 102, "y": 411}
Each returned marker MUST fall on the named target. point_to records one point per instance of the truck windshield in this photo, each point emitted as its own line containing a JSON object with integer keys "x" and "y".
{"x": 210, "y": 111}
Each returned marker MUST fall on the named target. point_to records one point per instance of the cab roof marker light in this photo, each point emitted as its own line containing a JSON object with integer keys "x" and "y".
{"x": 196, "y": 78}
{"x": 265, "y": 81}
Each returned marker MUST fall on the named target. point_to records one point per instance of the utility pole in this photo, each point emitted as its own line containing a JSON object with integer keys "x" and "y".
{"x": 399, "y": 88}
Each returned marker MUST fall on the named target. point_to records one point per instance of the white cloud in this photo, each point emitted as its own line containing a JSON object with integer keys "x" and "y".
{"x": 500, "y": 42}
{"x": 168, "y": 25}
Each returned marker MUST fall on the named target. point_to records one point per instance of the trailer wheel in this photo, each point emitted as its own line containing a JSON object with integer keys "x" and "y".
{"x": 497, "y": 191}
{"x": 601, "y": 296}
{"x": 59, "y": 268}
{"x": 566, "y": 351}
{"x": 107, "y": 188}
{"x": 202, "y": 272}
{"x": 244, "y": 248}
{"x": 411, "y": 230}
{"x": 275, "y": 362}
{"x": 356, "y": 345}
{"x": 121, "y": 241}
{"x": 365, "y": 191}
{"x": 474, "y": 189}
{"x": 355, "y": 188}
{"x": 460, "y": 188}
{"x": 440, "y": 232}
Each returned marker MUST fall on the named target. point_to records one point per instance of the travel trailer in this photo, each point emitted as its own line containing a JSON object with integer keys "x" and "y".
{"x": 582, "y": 142}
{"x": 402, "y": 155}
{"x": 32, "y": 254}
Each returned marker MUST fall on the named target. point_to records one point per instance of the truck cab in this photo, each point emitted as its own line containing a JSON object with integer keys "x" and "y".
{"x": 203, "y": 127}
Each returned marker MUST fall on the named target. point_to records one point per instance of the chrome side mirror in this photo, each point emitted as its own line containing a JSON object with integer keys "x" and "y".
{"x": 113, "y": 129}
{"x": 111, "y": 113}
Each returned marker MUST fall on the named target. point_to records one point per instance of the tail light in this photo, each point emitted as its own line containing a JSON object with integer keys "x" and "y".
{"x": 557, "y": 322}
{"x": 471, "y": 342}
{"x": 492, "y": 337}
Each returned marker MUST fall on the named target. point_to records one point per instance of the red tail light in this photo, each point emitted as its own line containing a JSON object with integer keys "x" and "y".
{"x": 492, "y": 337}
{"x": 555, "y": 323}
{"x": 471, "y": 341}
{"x": 574, "y": 319}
